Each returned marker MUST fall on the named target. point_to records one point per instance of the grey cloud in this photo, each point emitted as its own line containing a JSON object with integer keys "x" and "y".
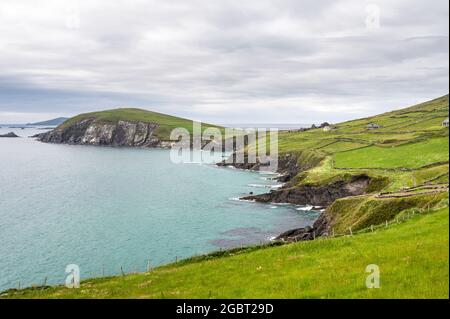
{"x": 221, "y": 60}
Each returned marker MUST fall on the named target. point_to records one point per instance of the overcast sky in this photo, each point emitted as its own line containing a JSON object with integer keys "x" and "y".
{"x": 259, "y": 61}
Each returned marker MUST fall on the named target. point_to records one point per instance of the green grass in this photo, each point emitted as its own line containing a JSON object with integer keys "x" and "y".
{"x": 166, "y": 122}
{"x": 412, "y": 257}
{"x": 413, "y": 155}
{"x": 407, "y": 140}
{"x": 363, "y": 211}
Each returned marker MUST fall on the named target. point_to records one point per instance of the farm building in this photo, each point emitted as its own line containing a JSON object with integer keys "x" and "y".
{"x": 328, "y": 128}
{"x": 445, "y": 123}
{"x": 372, "y": 126}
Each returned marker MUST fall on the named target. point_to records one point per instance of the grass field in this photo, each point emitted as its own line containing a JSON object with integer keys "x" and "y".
{"x": 412, "y": 258}
{"x": 409, "y": 149}
{"x": 413, "y": 155}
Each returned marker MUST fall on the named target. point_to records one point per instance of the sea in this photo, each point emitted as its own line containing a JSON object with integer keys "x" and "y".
{"x": 109, "y": 210}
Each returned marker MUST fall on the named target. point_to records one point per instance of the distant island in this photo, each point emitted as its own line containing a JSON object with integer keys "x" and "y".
{"x": 57, "y": 121}
{"x": 9, "y": 135}
{"x": 128, "y": 127}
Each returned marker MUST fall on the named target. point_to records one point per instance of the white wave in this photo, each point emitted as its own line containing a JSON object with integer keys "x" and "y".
{"x": 281, "y": 204}
{"x": 266, "y": 186}
{"x": 305, "y": 208}
{"x": 237, "y": 199}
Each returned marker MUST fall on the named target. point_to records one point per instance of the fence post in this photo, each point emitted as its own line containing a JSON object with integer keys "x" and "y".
{"x": 371, "y": 228}
{"x": 387, "y": 224}
{"x": 148, "y": 265}
{"x": 350, "y": 229}
{"x": 121, "y": 270}
{"x": 332, "y": 230}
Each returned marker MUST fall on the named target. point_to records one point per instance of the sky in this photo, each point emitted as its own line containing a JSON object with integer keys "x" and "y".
{"x": 252, "y": 61}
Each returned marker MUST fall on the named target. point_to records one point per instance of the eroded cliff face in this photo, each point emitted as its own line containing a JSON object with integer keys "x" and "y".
{"x": 322, "y": 196}
{"x": 319, "y": 196}
{"x": 91, "y": 132}
{"x": 316, "y": 195}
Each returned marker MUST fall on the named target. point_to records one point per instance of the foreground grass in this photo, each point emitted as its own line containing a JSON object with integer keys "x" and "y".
{"x": 413, "y": 258}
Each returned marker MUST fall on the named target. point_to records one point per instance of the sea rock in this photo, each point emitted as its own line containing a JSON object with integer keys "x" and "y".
{"x": 10, "y": 134}
{"x": 299, "y": 234}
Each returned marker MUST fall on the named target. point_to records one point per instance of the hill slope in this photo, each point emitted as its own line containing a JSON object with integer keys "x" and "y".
{"x": 408, "y": 152}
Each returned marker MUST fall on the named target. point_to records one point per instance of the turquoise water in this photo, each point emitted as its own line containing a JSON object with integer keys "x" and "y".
{"x": 105, "y": 208}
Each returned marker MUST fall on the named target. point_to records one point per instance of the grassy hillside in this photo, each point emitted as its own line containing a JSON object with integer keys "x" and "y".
{"x": 402, "y": 156}
{"x": 412, "y": 257}
{"x": 166, "y": 122}
{"x": 409, "y": 149}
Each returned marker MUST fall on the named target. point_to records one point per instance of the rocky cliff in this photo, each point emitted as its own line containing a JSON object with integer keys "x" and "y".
{"x": 290, "y": 166}
{"x": 316, "y": 195}
{"x": 91, "y": 132}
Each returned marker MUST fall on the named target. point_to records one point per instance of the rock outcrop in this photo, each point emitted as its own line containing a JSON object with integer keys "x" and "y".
{"x": 10, "y": 134}
{"x": 298, "y": 234}
{"x": 91, "y": 132}
{"x": 316, "y": 195}
{"x": 320, "y": 228}
{"x": 289, "y": 167}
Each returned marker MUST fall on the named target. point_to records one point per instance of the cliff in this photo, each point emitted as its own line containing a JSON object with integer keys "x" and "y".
{"x": 316, "y": 195}
{"x": 119, "y": 127}
{"x": 91, "y": 132}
